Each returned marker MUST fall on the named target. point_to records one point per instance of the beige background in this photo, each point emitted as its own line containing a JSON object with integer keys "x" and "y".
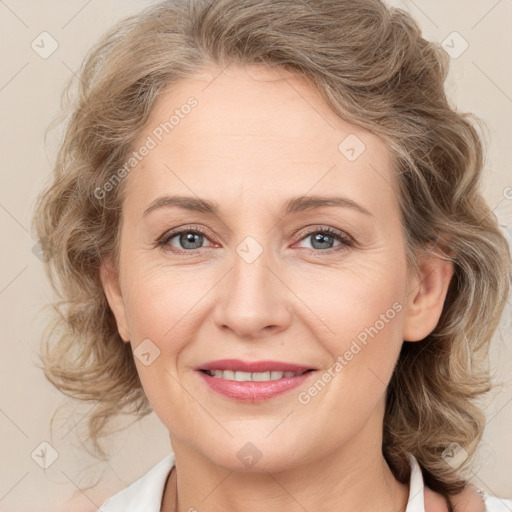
{"x": 30, "y": 86}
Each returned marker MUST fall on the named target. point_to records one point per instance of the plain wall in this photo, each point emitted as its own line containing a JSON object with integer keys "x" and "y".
{"x": 30, "y": 88}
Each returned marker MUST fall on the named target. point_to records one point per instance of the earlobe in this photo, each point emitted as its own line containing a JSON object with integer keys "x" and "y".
{"x": 426, "y": 296}
{"x": 112, "y": 289}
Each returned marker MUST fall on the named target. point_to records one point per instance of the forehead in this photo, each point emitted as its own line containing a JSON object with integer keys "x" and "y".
{"x": 255, "y": 131}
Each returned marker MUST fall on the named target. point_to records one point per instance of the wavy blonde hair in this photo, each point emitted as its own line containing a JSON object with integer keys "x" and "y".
{"x": 373, "y": 68}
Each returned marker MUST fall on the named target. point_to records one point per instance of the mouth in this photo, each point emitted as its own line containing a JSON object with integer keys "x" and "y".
{"x": 252, "y": 381}
{"x": 241, "y": 376}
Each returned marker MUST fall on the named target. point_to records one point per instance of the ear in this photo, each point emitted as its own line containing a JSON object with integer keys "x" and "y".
{"x": 110, "y": 281}
{"x": 426, "y": 295}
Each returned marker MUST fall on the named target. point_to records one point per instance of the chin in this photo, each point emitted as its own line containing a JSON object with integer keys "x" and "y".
{"x": 242, "y": 455}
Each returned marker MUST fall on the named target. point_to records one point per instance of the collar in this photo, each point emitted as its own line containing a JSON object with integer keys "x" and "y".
{"x": 416, "y": 501}
{"x": 146, "y": 493}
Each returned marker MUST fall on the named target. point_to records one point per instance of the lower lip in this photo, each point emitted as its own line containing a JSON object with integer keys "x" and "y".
{"x": 254, "y": 391}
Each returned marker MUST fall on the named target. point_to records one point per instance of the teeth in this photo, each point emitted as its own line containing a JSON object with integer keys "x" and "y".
{"x": 228, "y": 374}
{"x": 261, "y": 376}
{"x": 243, "y": 376}
{"x": 248, "y": 376}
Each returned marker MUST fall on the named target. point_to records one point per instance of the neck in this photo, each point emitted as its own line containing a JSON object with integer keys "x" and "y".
{"x": 354, "y": 477}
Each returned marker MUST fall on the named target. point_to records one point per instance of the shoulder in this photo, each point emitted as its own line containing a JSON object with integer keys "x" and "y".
{"x": 468, "y": 500}
{"x": 495, "y": 504}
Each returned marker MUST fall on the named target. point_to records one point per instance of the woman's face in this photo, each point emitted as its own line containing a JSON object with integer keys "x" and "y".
{"x": 264, "y": 280}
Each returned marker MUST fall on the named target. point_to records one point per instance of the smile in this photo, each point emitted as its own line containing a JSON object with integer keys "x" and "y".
{"x": 252, "y": 381}
{"x": 241, "y": 376}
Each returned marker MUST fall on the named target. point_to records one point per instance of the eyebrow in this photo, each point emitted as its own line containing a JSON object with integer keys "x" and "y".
{"x": 293, "y": 205}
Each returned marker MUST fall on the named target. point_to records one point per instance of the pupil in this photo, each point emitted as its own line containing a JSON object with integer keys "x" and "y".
{"x": 194, "y": 240}
{"x": 324, "y": 240}
{"x": 191, "y": 238}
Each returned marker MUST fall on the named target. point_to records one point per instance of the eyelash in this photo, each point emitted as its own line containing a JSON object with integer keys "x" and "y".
{"x": 345, "y": 240}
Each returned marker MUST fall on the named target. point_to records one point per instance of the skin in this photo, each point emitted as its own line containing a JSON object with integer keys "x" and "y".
{"x": 255, "y": 140}
{"x": 468, "y": 500}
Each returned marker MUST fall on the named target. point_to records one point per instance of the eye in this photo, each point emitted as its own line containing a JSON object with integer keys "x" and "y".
{"x": 324, "y": 239}
{"x": 187, "y": 240}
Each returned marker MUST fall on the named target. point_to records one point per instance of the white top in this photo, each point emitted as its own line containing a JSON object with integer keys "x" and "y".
{"x": 146, "y": 493}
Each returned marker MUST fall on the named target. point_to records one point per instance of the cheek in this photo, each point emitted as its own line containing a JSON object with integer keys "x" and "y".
{"x": 162, "y": 301}
{"x": 363, "y": 339}
{"x": 359, "y": 322}
{"x": 350, "y": 300}
{"x": 162, "y": 305}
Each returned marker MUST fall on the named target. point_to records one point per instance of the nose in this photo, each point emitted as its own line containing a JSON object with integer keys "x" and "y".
{"x": 254, "y": 301}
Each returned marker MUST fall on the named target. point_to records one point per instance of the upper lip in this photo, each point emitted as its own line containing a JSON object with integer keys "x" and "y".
{"x": 253, "y": 366}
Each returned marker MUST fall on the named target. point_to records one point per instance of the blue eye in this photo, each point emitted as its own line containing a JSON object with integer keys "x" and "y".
{"x": 189, "y": 240}
{"x": 324, "y": 239}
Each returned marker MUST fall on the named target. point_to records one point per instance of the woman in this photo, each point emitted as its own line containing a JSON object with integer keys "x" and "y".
{"x": 265, "y": 225}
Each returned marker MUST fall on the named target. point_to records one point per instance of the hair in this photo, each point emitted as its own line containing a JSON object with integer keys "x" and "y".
{"x": 372, "y": 67}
